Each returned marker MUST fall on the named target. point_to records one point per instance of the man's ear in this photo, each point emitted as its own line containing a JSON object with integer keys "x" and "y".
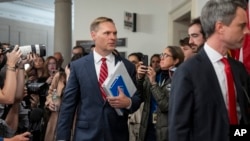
{"x": 93, "y": 35}
{"x": 219, "y": 27}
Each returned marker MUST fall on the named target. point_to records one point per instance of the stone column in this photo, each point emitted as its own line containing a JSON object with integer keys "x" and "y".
{"x": 63, "y": 29}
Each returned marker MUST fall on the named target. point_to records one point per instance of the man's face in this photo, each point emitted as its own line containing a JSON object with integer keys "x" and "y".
{"x": 196, "y": 38}
{"x": 59, "y": 59}
{"x": 105, "y": 37}
{"x": 233, "y": 35}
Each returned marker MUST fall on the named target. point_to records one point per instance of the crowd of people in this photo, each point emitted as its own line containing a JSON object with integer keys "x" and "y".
{"x": 192, "y": 91}
{"x": 26, "y": 92}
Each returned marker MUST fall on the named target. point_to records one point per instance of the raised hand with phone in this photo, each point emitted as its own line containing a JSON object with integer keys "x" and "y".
{"x": 143, "y": 67}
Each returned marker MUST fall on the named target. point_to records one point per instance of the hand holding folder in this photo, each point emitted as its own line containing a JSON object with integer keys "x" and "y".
{"x": 119, "y": 82}
{"x": 119, "y": 78}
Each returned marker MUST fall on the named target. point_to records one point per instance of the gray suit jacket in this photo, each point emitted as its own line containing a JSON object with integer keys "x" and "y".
{"x": 95, "y": 119}
{"x": 197, "y": 110}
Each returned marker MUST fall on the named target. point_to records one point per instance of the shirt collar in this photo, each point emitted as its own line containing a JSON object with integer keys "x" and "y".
{"x": 212, "y": 54}
{"x": 98, "y": 57}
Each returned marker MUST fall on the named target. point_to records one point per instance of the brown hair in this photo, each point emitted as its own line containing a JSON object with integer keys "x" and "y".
{"x": 177, "y": 53}
{"x": 184, "y": 42}
{"x": 197, "y": 21}
{"x": 95, "y": 24}
{"x": 153, "y": 56}
{"x": 46, "y": 63}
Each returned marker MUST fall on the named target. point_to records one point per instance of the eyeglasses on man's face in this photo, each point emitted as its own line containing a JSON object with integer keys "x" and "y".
{"x": 165, "y": 55}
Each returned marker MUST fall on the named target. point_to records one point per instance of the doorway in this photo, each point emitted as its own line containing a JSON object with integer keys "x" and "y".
{"x": 178, "y": 23}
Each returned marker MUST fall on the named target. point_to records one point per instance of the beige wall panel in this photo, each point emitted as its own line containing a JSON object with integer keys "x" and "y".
{"x": 4, "y": 33}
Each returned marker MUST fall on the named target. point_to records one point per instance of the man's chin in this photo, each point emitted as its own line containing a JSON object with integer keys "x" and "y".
{"x": 112, "y": 47}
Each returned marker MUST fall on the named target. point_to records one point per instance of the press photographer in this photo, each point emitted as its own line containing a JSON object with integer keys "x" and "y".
{"x": 36, "y": 83}
{"x": 36, "y": 88}
{"x": 38, "y": 49}
{"x": 12, "y": 84}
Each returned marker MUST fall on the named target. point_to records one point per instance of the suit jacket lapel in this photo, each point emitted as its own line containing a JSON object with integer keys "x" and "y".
{"x": 241, "y": 99}
{"x": 236, "y": 77}
{"x": 117, "y": 58}
{"x": 91, "y": 74}
{"x": 213, "y": 82}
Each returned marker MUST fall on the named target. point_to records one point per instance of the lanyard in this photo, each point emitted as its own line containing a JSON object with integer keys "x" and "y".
{"x": 161, "y": 80}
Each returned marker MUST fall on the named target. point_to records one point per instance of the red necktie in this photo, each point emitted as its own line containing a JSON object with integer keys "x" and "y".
{"x": 103, "y": 75}
{"x": 230, "y": 93}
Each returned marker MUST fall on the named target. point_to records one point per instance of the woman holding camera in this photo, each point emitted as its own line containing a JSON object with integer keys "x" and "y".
{"x": 11, "y": 92}
{"x": 34, "y": 75}
{"x": 7, "y": 93}
{"x": 43, "y": 71}
{"x": 154, "y": 87}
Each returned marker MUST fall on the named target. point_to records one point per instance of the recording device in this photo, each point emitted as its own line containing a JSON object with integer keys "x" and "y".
{"x": 36, "y": 88}
{"x": 145, "y": 61}
{"x": 54, "y": 72}
{"x": 35, "y": 120}
{"x": 36, "y": 48}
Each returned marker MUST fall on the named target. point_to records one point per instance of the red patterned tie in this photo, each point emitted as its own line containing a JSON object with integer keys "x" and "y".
{"x": 230, "y": 93}
{"x": 103, "y": 75}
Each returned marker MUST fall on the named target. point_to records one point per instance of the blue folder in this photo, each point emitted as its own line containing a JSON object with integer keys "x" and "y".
{"x": 119, "y": 82}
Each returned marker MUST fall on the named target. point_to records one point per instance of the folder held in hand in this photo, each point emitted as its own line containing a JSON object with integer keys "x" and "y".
{"x": 119, "y": 78}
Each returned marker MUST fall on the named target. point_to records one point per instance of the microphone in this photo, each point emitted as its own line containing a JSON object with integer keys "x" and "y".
{"x": 35, "y": 119}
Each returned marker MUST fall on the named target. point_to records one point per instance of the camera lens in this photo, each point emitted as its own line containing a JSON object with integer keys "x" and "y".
{"x": 37, "y": 49}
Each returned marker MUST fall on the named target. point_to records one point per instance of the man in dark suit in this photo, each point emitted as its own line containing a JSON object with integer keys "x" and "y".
{"x": 96, "y": 119}
{"x": 199, "y": 100}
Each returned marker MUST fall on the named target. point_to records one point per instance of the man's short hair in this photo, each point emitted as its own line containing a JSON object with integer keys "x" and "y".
{"x": 198, "y": 22}
{"x": 222, "y": 10}
{"x": 58, "y": 53}
{"x": 95, "y": 24}
{"x": 184, "y": 42}
{"x": 80, "y": 47}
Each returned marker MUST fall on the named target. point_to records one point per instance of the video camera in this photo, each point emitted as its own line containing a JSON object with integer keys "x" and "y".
{"x": 36, "y": 88}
